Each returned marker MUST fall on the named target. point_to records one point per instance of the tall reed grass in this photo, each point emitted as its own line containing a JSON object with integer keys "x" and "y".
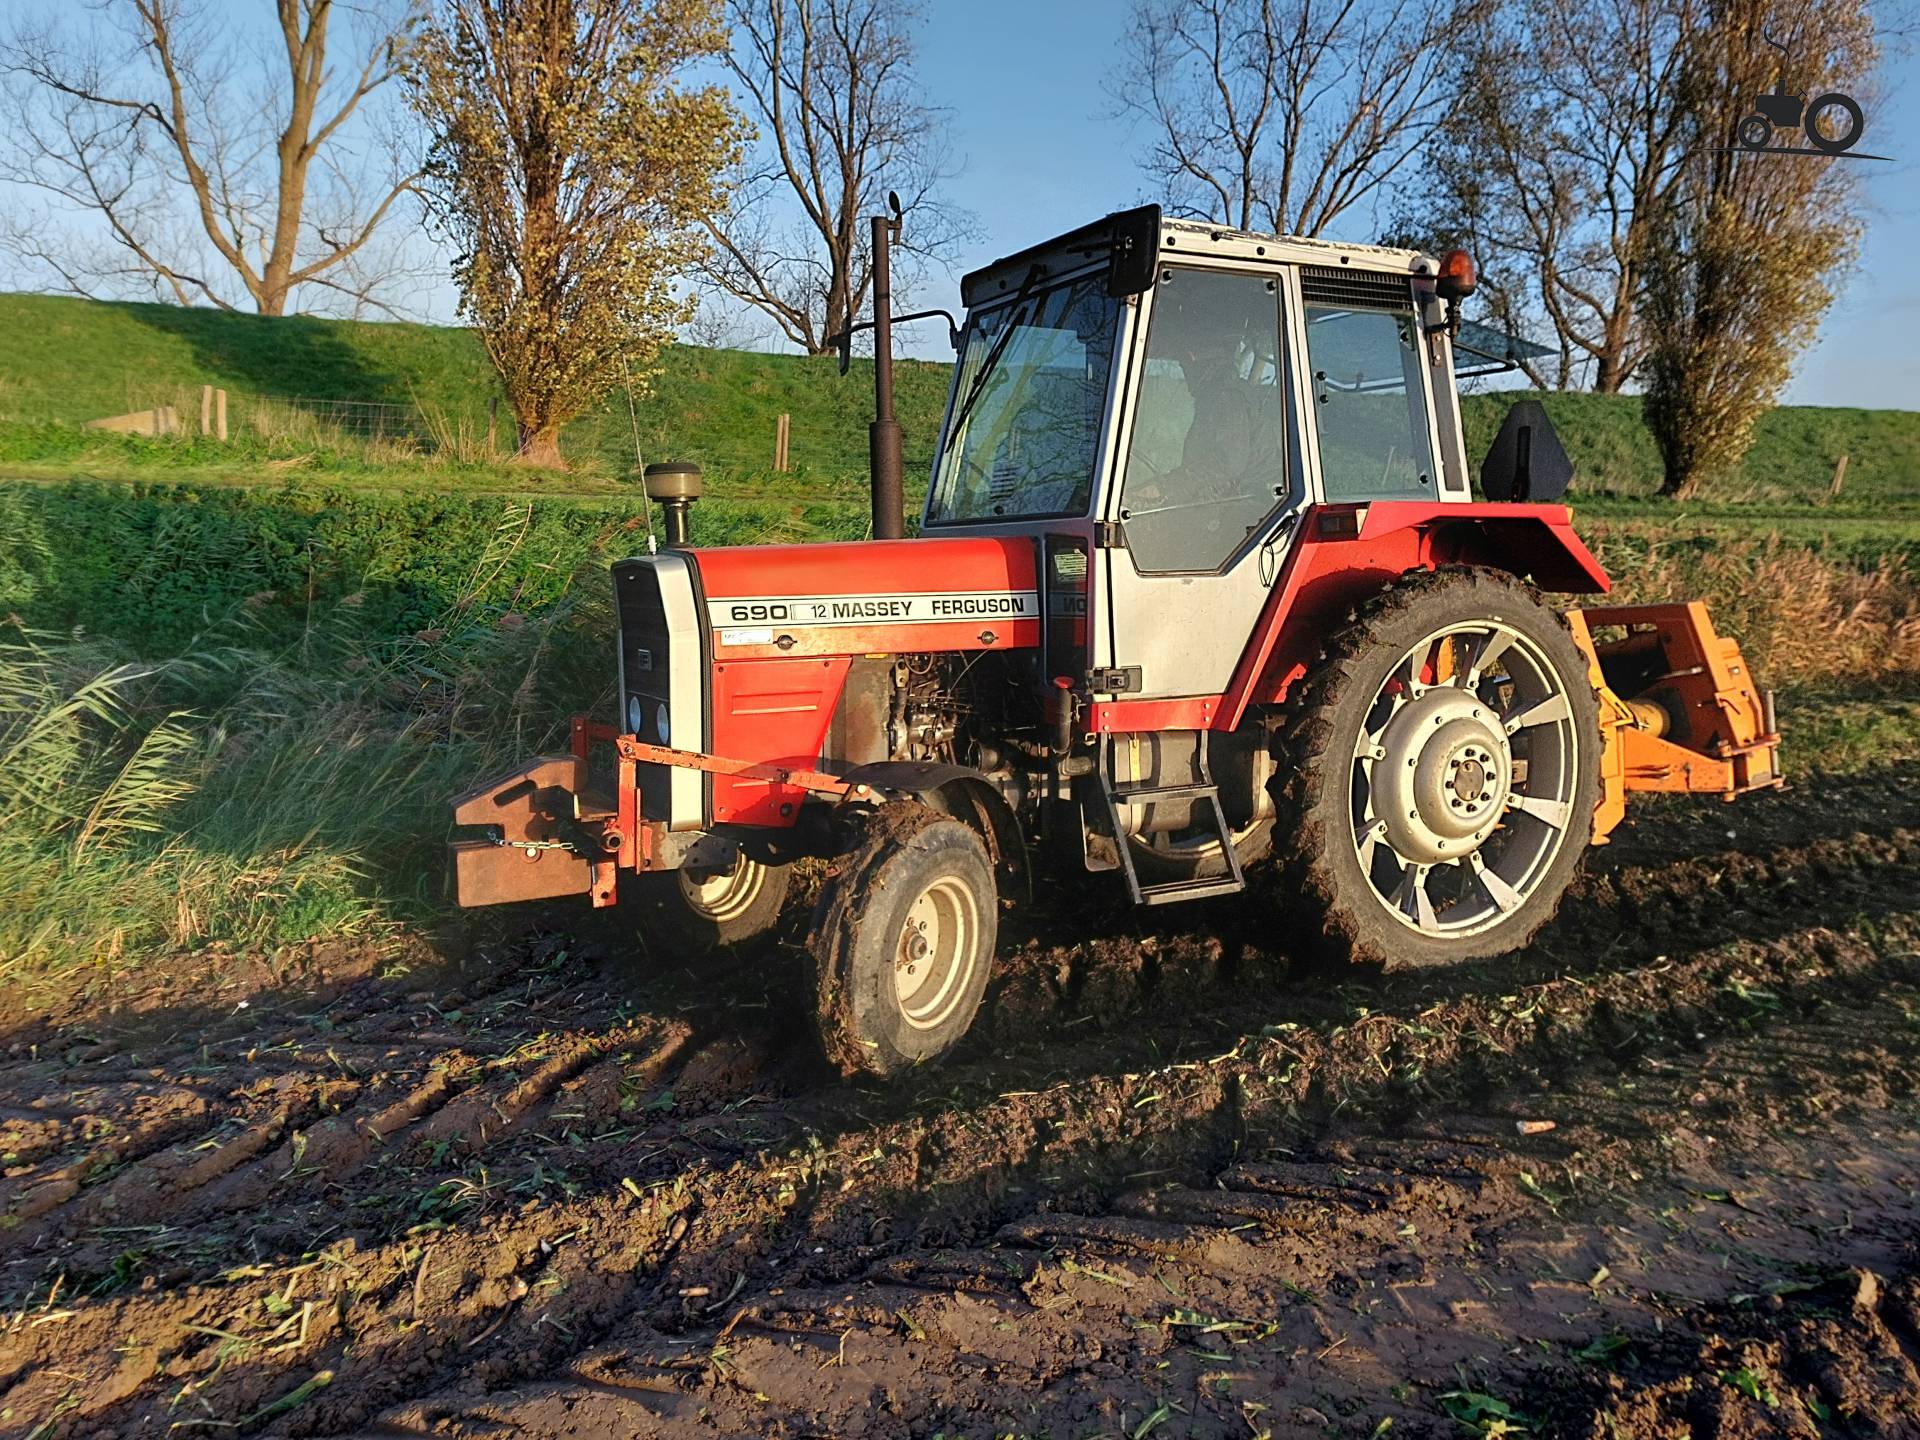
{"x": 1801, "y": 618}
{"x": 260, "y": 787}
{"x": 252, "y": 795}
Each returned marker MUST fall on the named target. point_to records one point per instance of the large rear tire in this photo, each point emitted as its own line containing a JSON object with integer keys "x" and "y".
{"x": 902, "y": 942}
{"x": 1443, "y": 764}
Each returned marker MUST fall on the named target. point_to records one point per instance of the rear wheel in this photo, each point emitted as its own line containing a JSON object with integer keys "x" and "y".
{"x": 902, "y": 942}
{"x": 1833, "y": 122}
{"x": 1444, "y": 771}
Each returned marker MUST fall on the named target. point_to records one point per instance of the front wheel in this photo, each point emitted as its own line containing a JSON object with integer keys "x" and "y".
{"x": 1445, "y": 766}
{"x": 1755, "y": 132}
{"x": 712, "y": 904}
{"x": 902, "y": 942}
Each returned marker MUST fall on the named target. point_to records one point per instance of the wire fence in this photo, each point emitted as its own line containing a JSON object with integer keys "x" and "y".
{"x": 362, "y": 419}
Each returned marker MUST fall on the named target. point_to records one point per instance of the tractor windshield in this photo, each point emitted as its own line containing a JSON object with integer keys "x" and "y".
{"x": 1027, "y": 406}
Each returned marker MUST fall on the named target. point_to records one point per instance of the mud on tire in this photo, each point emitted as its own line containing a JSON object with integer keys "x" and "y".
{"x": 1541, "y": 788}
{"x": 902, "y": 942}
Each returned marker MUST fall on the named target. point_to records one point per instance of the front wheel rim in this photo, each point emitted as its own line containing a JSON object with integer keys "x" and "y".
{"x": 1463, "y": 779}
{"x": 721, "y": 895}
{"x": 936, "y": 954}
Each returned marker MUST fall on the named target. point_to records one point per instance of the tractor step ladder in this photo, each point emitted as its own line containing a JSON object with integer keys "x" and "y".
{"x": 1169, "y": 891}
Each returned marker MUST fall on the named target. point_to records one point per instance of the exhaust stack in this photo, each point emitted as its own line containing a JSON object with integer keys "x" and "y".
{"x": 883, "y": 442}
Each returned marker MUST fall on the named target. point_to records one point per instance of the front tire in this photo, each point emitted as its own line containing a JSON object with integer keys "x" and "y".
{"x": 1444, "y": 763}
{"x": 702, "y": 908}
{"x": 902, "y": 943}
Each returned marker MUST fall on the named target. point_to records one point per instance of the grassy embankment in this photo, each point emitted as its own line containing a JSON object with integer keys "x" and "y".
{"x": 240, "y": 689}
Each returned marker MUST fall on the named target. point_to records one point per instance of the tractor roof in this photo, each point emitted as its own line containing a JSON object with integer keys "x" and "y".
{"x": 1193, "y": 238}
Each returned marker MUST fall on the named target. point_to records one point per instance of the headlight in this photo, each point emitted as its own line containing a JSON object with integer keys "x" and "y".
{"x": 666, "y": 734}
{"x": 636, "y": 715}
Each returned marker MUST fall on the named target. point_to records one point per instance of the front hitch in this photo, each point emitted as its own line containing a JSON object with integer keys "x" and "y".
{"x": 546, "y": 835}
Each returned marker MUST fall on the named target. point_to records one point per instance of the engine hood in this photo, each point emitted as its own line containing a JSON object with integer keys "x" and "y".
{"x": 868, "y": 597}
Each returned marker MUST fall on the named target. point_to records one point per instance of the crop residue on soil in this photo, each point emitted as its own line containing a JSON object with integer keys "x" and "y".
{"x": 1179, "y": 1184}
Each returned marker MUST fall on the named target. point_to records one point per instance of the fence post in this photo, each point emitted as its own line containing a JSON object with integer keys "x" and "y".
{"x": 1839, "y": 478}
{"x": 220, "y": 415}
{"x": 493, "y": 416}
{"x": 206, "y": 411}
{"x": 782, "y": 431}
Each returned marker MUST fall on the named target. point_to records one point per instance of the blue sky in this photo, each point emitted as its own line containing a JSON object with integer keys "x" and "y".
{"x": 1023, "y": 79}
{"x": 1023, "y": 82}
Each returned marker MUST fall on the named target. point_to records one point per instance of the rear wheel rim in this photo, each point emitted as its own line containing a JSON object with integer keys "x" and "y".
{"x": 721, "y": 895}
{"x": 936, "y": 954}
{"x": 1463, "y": 779}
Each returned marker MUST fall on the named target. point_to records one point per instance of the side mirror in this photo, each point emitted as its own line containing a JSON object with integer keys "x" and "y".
{"x": 1133, "y": 257}
{"x": 1527, "y": 460}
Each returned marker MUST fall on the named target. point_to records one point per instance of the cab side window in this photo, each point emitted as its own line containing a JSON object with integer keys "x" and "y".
{"x": 1207, "y": 460}
{"x": 1365, "y": 353}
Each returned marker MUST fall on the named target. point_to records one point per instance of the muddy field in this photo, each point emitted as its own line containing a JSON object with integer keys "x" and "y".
{"x": 1653, "y": 1177}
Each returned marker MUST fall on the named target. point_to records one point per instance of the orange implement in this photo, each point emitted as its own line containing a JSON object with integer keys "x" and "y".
{"x": 1681, "y": 711}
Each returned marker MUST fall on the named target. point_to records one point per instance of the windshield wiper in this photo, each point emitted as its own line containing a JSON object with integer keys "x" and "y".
{"x": 987, "y": 366}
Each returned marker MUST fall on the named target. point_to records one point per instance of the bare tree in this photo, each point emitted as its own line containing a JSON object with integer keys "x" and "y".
{"x": 1561, "y": 149}
{"x": 843, "y": 121}
{"x": 210, "y": 182}
{"x": 1747, "y": 254}
{"x": 1280, "y": 115}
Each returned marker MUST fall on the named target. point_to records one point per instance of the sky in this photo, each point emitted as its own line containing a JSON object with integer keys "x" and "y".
{"x": 1040, "y": 152}
{"x": 1024, "y": 82}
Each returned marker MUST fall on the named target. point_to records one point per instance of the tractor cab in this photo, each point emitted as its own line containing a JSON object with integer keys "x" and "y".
{"x": 1163, "y": 400}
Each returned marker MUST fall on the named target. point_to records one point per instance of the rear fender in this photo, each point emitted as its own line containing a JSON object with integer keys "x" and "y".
{"x": 1348, "y": 553}
{"x": 967, "y": 795}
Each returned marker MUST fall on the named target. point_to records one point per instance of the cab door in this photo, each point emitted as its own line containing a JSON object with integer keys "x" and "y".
{"x": 1208, "y": 482}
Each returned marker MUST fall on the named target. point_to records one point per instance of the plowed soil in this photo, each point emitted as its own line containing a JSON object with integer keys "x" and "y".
{"x": 1653, "y": 1177}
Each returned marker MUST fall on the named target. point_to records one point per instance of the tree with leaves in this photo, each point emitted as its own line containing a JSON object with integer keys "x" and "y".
{"x": 210, "y": 183}
{"x": 1281, "y": 115}
{"x": 842, "y": 122}
{"x": 572, "y": 167}
{"x": 1745, "y": 256}
{"x": 1559, "y": 153}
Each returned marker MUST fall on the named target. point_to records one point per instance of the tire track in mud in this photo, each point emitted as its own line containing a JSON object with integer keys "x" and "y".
{"x": 1350, "y": 1234}
{"x": 708, "y": 1114}
{"x": 683, "y": 1254}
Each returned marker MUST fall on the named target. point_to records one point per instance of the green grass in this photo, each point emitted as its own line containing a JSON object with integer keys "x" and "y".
{"x": 68, "y": 361}
{"x": 238, "y": 683}
{"x": 1790, "y": 464}
{"x": 250, "y": 795}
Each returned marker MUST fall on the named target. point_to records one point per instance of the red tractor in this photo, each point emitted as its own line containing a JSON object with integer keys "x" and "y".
{"x": 1200, "y": 585}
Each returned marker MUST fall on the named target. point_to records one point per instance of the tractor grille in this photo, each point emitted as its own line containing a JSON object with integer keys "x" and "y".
{"x": 663, "y": 672}
{"x": 1355, "y": 289}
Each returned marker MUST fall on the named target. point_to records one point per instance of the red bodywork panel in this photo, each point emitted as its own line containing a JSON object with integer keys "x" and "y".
{"x": 1346, "y": 553}
{"x": 881, "y": 597}
{"x": 786, "y": 620}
